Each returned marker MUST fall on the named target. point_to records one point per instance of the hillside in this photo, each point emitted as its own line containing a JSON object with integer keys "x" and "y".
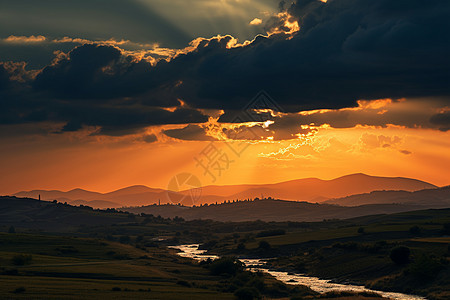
{"x": 48, "y": 216}
{"x": 439, "y": 197}
{"x": 270, "y": 210}
{"x": 308, "y": 189}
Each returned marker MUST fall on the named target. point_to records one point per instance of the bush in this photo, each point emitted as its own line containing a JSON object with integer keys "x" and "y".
{"x": 116, "y": 289}
{"x": 225, "y": 266}
{"x": 400, "y": 255}
{"x": 11, "y": 229}
{"x": 247, "y": 293}
{"x": 21, "y": 259}
{"x": 361, "y": 230}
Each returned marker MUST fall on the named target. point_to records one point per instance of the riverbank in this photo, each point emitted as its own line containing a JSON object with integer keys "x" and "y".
{"x": 321, "y": 286}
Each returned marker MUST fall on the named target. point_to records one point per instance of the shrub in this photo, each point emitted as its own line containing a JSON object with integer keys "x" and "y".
{"x": 247, "y": 293}
{"x": 400, "y": 255}
{"x": 116, "y": 289}
{"x": 361, "y": 230}
{"x": 11, "y": 229}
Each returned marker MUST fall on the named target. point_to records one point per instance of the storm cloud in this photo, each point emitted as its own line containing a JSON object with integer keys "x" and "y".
{"x": 345, "y": 50}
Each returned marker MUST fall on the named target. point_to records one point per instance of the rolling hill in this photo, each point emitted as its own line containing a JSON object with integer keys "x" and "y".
{"x": 429, "y": 197}
{"x": 270, "y": 210}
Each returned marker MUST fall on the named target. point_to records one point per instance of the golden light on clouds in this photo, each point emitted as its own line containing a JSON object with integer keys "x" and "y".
{"x": 25, "y": 39}
{"x": 255, "y": 22}
{"x": 151, "y": 157}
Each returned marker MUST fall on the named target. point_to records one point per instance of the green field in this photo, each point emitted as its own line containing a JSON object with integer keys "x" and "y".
{"x": 74, "y": 268}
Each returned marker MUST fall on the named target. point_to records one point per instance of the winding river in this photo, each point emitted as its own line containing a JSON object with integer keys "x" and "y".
{"x": 316, "y": 284}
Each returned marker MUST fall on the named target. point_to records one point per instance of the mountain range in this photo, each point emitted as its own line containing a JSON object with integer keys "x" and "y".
{"x": 307, "y": 189}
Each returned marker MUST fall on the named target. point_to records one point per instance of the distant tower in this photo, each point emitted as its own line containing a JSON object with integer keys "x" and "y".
{"x": 159, "y": 201}
{"x": 39, "y": 197}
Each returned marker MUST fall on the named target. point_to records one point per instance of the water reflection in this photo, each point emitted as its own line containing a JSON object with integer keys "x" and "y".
{"x": 316, "y": 284}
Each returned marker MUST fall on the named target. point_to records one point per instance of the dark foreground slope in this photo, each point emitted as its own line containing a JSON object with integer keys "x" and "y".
{"x": 49, "y": 216}
{"x": 80, "y": 253}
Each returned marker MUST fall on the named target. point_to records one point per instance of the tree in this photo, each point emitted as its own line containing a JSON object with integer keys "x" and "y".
{"x": 225, "y": 266}
{"x": 400, "y": 255}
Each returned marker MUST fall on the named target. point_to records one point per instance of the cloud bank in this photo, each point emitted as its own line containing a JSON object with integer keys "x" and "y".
{"x": 344, "y": 51}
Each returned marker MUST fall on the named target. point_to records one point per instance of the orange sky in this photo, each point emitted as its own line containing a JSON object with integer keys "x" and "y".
{"x": 105, "y": 164}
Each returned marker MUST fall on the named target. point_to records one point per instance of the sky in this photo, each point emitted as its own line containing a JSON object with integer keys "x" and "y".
{"x": 105, "y": 94}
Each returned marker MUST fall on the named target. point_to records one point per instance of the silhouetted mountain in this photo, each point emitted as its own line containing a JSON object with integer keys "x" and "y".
{"x": 55, "y": 194}
{"x": 308, "y": 189}
{"x": 427, "y": 197}
{"x": 132, "y": 190}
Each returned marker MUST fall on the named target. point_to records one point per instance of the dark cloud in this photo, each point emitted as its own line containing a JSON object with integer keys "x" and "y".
{"x": 346, "y": 50}
{"x": 189, "y": 133}
{"x": 123, "y": 120}
{"x": 88, "y": 88}
{"x": 406, "y": 152}
{"x": 415, "y": 113}
{"x": 150, "y": 138}
{"x": 442, "y": 120}
{"x": 89, "y": 71}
